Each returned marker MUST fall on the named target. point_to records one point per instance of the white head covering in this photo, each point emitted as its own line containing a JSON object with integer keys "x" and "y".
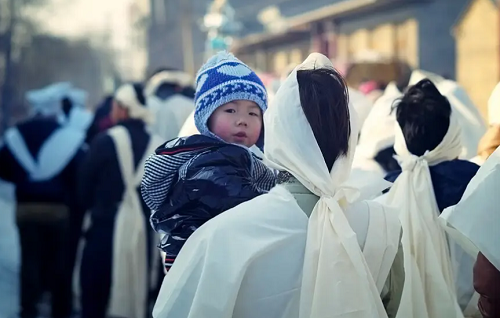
{"x": 429, "y": 286}
{"x": 336, "y": 281}
{"x": 47, "y": 101}
{"x": 378, "y": 129}
{"x": 467, "y": 114}
{"x": 361, "y": 103}
{"x": 171, "y": 77}
{"x": 127, "y": 98}
{"x": 494, "y": 106}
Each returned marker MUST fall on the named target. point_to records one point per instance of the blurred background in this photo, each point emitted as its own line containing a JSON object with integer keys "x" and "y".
{"x": 98, "y": 44}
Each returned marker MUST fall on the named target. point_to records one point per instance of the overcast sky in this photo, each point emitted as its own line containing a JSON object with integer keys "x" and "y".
{"x": 76, "y": 18}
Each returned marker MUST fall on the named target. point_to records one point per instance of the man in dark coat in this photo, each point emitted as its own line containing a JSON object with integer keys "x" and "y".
{"x": 101, "y": 192}
{"x": 41, "y": 158}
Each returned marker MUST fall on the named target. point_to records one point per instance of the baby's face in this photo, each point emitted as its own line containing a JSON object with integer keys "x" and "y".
{"x": 238, "y": 122}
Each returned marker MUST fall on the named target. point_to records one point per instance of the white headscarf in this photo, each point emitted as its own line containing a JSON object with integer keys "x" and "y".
{"x": 336, "y": 279}
{"x": 127, "y": 98}
{"x": 467, "y": 114}
{"x": 47, "y": 100}
{"x": 378, "y": 129}
{"x": 429, "y": 289}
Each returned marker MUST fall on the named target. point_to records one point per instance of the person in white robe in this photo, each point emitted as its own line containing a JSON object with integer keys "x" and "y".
{"x": 491, "y": 139}
{"x": 169, "y": 96}
{"x": 317, "y": 252}
{"x": 428, "y": 144}
{"x": 375, "y": 148}
{"x": 473, "y": 224}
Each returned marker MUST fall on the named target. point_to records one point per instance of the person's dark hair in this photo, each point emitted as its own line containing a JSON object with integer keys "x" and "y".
{"x": 139, "y": 92}
{"x": 424, "y": 117}
{"x": 67, "y": 104}
{"x": 325, "y": 101}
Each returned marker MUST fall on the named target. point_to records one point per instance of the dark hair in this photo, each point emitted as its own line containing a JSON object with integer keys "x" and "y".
{"x": 424, "y": 117}
{"x": 139, "y": 93}
{"x": 325, "y": 101}
{"x": 67, "y": 104}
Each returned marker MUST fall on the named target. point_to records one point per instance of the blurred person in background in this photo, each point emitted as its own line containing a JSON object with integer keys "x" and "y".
{"x": 169, "y": 95}
{"x": 102, "y": 119}
{"x": 428, "y": 144}
{"x": 491, "y": 139}
{"x": 40, "y": 156}
{"x": 120, "y": 264}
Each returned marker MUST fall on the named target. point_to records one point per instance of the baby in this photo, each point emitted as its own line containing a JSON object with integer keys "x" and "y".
{"x": 193, "y": 179}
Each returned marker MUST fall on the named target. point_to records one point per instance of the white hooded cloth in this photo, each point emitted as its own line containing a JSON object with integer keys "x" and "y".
{"x": 262, "y": 258}
{"x": 429, "y": 289}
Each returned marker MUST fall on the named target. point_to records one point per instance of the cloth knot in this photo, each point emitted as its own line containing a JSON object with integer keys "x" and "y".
{"x": 344, "y": 193}
{"x": 409, "y": 162}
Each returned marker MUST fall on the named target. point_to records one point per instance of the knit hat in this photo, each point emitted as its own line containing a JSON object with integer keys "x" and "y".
{"x": 221, "y": 80}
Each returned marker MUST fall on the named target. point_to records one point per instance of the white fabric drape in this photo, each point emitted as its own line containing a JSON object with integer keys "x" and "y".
{"x": 473, "y": 222}
{"x": 129, "y": 292}
{"x": 170, "y": 115}
{"x": 429, "y": 290}
{"x": 261, "y": 258}
{"x": 54, "y": 155}
{"x": 336, "y": 281}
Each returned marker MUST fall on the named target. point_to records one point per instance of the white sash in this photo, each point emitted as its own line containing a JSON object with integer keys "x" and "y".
{"x": 128, "y": 297}
{"x": 382, "y": 241}
{"x": 54, "y": 155}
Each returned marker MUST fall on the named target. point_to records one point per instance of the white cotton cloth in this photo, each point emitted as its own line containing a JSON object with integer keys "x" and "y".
{"x": 336, "y": 282}
{"x": 54, "y": 155}
{"x": 361, "y": 104}
{"x": 127, "y": 98}
{"x": 377, "y": 132}
{"x": 170, "y": 114}
{"x": 47, "y": 100}
{"x": 263, "y": 255}
{"x": 474, "y": 221}
{"x": 189, "y": 127}
{"x": 429, "y": 289}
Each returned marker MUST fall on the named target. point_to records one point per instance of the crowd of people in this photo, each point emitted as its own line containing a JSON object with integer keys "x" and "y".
{"x": 182, "y": 197}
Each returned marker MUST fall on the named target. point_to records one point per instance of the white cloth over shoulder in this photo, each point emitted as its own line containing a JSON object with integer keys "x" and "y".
{"x": 473, "y": 222}
{"x": 429, "y": 289}
{"x": 54, "y": 155}
{"x": 261, "y": 258}
{"x": 255, "y": 247}
{"x": 189, "y": 127}
{"x": 336, "y": 281}
{"x": 129, "y": 288}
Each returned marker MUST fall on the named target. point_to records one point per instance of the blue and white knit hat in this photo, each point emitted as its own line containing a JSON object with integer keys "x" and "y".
{"x": 221, "y": 80}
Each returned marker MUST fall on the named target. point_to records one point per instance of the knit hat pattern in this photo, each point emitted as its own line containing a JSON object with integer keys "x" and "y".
{"x": 221, "y": 80}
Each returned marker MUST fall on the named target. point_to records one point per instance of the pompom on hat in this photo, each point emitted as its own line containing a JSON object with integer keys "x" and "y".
{"x": 221, "y": 80}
